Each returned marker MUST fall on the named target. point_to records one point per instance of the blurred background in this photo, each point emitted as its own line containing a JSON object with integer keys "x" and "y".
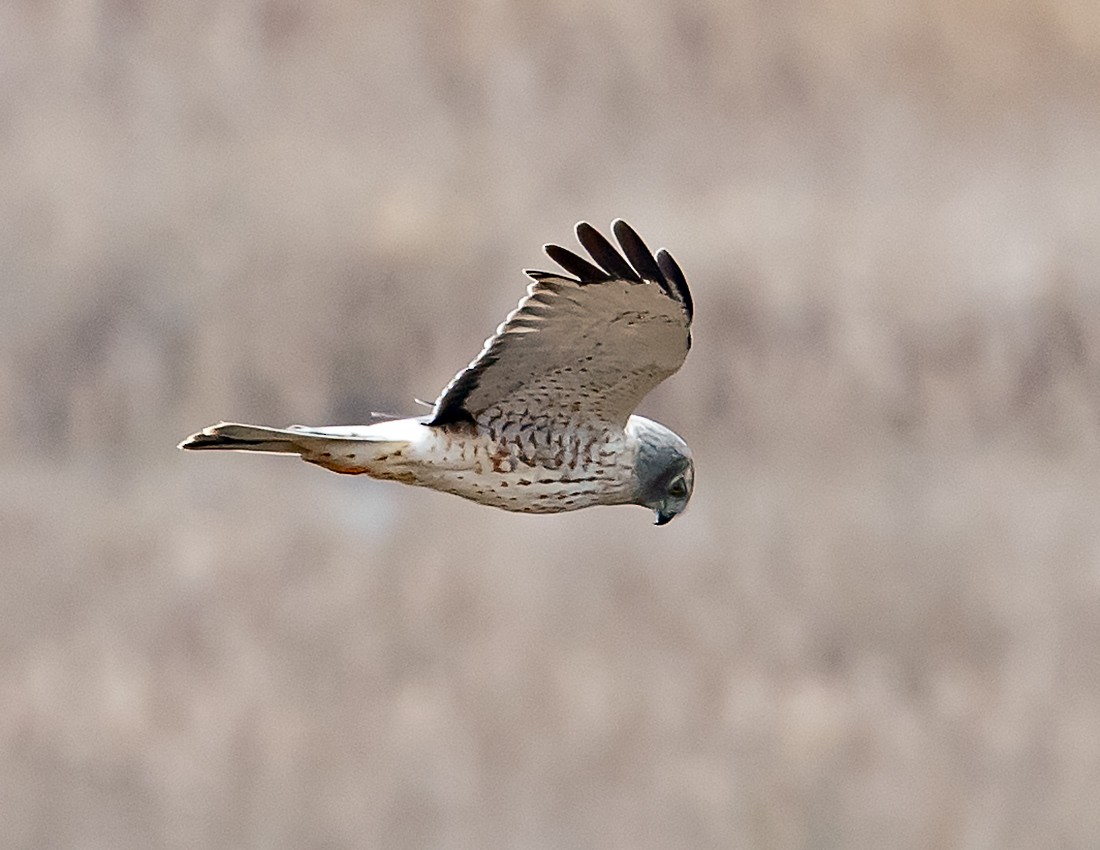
{"x": 877, "y": 626}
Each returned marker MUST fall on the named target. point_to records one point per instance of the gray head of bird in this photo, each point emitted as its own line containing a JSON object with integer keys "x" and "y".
{"x": 664, "y": 473}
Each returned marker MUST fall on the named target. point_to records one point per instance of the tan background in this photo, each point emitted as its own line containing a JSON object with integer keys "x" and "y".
{"x": 878, "y": 626}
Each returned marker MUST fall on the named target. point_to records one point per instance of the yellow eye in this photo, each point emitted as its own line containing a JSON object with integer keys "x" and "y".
{"x": 678, "y": 489}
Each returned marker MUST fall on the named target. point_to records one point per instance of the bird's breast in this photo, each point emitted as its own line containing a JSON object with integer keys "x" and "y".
{"x": 520, "y": 467}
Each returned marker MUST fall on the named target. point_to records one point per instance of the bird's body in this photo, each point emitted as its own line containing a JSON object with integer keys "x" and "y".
{"x": 541, "y": 421}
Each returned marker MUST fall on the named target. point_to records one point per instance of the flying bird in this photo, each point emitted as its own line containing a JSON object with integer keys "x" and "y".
{"x": 542, "y": 420}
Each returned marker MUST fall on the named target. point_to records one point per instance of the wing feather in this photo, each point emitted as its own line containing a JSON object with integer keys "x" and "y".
{"x": 589, "y": 347}
{"x": 673, "y": 274}
{"x": 639, "y": 255}
{"x": 605, "y": 255}
{"x": 577, "y": 266}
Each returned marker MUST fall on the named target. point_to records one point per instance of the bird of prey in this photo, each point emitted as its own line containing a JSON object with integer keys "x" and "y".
{"x": 541, "y": 420}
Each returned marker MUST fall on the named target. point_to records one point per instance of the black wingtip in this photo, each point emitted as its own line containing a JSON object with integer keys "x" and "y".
{"x": 638, "y": 264}
{"x": 576, "y": 265}
{"x": 604, "y": 253}
{"x": 676, "y": 277}
{"x": 638, "y": 254}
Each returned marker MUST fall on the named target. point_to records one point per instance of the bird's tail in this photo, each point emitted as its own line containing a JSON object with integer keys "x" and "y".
{"x": 230, "y": 436}
{"x": 375, "y": 450}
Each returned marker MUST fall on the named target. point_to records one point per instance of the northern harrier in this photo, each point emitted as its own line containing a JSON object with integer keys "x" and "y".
{"x": 541, "y": 421}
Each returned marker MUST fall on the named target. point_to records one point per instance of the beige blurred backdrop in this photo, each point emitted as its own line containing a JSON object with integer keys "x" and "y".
{"x": 878, "y": 626}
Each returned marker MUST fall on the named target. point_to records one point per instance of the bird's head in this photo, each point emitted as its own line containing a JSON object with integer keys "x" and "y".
{"x": 664, "y": 473}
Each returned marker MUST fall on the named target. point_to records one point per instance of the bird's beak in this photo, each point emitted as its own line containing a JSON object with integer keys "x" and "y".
{"x": 663, "y": 518}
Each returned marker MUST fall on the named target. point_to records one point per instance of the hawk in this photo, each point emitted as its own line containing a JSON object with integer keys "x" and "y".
{"x": 542, "y": 420}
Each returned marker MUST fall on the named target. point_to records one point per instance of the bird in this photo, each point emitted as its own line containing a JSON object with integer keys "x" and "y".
{"x": 542, "y": 420}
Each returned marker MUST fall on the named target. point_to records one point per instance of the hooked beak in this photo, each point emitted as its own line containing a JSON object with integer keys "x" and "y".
{"x": 663, "y": 518}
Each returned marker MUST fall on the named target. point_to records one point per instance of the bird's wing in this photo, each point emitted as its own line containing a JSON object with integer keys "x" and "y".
{"x": 586, "y": 347}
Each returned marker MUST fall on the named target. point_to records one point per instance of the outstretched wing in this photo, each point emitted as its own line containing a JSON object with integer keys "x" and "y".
{"x": 587, "y": 347}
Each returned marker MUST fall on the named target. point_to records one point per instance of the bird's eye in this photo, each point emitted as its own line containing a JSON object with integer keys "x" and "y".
{"x": 678, "y": 489}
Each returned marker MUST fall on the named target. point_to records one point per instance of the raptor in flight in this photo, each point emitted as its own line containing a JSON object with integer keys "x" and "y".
{"x": 542, "y": 420}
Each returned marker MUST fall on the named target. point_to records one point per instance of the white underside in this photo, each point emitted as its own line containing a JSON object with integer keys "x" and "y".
{"x": 470, "y": 465}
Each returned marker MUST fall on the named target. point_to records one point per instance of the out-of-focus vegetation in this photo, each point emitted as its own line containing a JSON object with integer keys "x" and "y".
{"x": 877, "y": 626}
